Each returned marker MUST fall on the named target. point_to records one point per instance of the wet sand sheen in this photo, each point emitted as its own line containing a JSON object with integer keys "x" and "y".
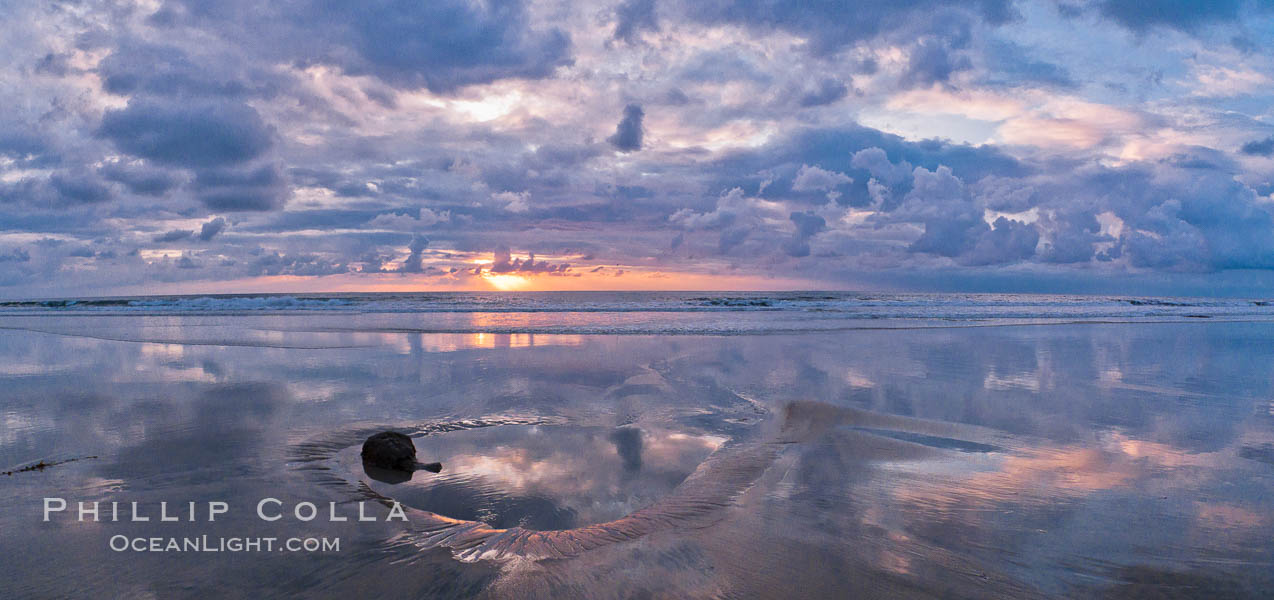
{"x": 1065, "y": 462}
{"x": 486, "y": 506}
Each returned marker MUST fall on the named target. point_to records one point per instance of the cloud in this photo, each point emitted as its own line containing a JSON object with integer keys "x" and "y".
{"x": 514, "y": 202}
{"x": 254, "y": 189}
{"x": 15, "y": 255}
{"x": 953, "y": 221}
{"x": 828, "y": 91}
{"x": 830, "y": 26}
{"x": 19, "y": 143}
{"x": 188, "y": 262}
{"x": 140, "y": 179}
{"x": 183, "y": 134}
{"x": 628, "y": 134}
{"x": 441, "y": 45}
{"x": 731, "y": 238}
{"x": 1007, "y": 241}
{"x": 332, "y": 135}
{"x": 876, "y": 161}
{"x": 807, "y": 225}
{"x": 1263, "y": 147}
{"x": 1011, "y": 65}
{"x": 210, "y": 229}
{"x": 502, "y": 262}
{"x": 79, "y": 188}
{"x": 174, "y": 235}
{"x": 828, "y": 148}
{"x": 275, "y": 263}
{"x": 139, "y": 68}
{"x": 417, "y": 249}
{"x": 404, "y": 221}
{"x": 933, "y": 61}
{"x": 815, "y": 179}
{"x": 731, "y": 207}
{"x": 1183, "y": 15}
{"x": 1070, "y": 236}
{"x": 723, "y": 66}
{"x": 633, "y": 17}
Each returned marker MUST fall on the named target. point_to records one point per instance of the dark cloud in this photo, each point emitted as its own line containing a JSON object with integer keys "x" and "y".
{"x": 1011, "y": 65}
{"x": 731, "y": 238}
{"x": 297, "y": 220}
{"x": 255, "y": 189}
{"x": 140, "y": 179}
{"x": 1177, "y": 215}
{"x": 55, "y": 64}
{"x": 174, "y": 235}
{"x": 1237, "y": 227}
{"x": 441, "y": 45}
{"x": 1007, "y": 241}
{"x": 628, "y": 134}
{"x": 810, "y": 178}
{"x": 949, "y": 236}
{"x": 633, "y": 17}
{"x": 1199, "y": 157}
{"x": 502, "y": 263}
{"x": 933, "y": 61}
{"x": 79, "y": 188}
{"x": 187, "y": 134}
{"x": 417, "y": 248}
{"x": 1263, "y": 147}
{"x": 15, "y": 255}
{"x": 830, "y": 25}
{"x": 722, "y": 66}
{"x": 19, "y": 143}
{"x": 807, "y": 225}
{"x": 210, "y": 229}
{"x": 676, "y": 97}
{"x": 954, "y": 223}
{"x": 1071, "y": 236}
{"x": 830, "y": 149}
{"x": 165, "y": 70}
{"x": 275, "y": 263}
{"x": 828, "y": 91}
{"x": 1164, "y": 241}
{"x": 1183, "y": 15}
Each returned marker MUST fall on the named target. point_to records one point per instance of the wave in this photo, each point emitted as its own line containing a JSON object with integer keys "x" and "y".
{"x": 863, "y": 305}
{"x": 179, "y": 304}
{"x": 336, "y": 320}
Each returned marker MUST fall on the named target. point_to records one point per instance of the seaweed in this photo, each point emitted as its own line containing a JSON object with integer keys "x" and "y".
{"x": 42, "y": 465}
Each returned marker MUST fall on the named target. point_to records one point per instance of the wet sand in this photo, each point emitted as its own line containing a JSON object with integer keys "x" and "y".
{"x": 1067, "y": 461}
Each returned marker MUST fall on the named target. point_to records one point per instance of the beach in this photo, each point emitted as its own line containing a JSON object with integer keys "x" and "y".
{"x": 690, "y": 445}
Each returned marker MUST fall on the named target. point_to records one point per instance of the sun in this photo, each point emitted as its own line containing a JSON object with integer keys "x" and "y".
{"x": 506, "y": 283}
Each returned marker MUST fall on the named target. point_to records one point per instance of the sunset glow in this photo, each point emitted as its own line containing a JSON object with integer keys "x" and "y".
{"x": 507, "y": 283}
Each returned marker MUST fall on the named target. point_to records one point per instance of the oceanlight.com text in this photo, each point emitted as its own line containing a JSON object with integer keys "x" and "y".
{"x": 204, "y": 543}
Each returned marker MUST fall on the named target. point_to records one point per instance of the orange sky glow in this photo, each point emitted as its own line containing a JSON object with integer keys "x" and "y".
{"x": 511, "y": 282}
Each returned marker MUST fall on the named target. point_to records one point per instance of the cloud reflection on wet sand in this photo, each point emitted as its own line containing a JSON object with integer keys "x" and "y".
{"x": 972, "y": 463}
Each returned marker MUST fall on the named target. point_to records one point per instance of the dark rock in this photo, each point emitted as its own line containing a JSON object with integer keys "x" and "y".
{"x": 393, "y": 451}
{"x": 390, "y": 450}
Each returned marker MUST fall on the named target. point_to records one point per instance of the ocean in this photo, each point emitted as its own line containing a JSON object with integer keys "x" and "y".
{"x": 595, "y": 445}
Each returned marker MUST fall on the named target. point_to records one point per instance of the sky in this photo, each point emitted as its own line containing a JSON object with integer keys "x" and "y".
{"x": 1085, "y": 146}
